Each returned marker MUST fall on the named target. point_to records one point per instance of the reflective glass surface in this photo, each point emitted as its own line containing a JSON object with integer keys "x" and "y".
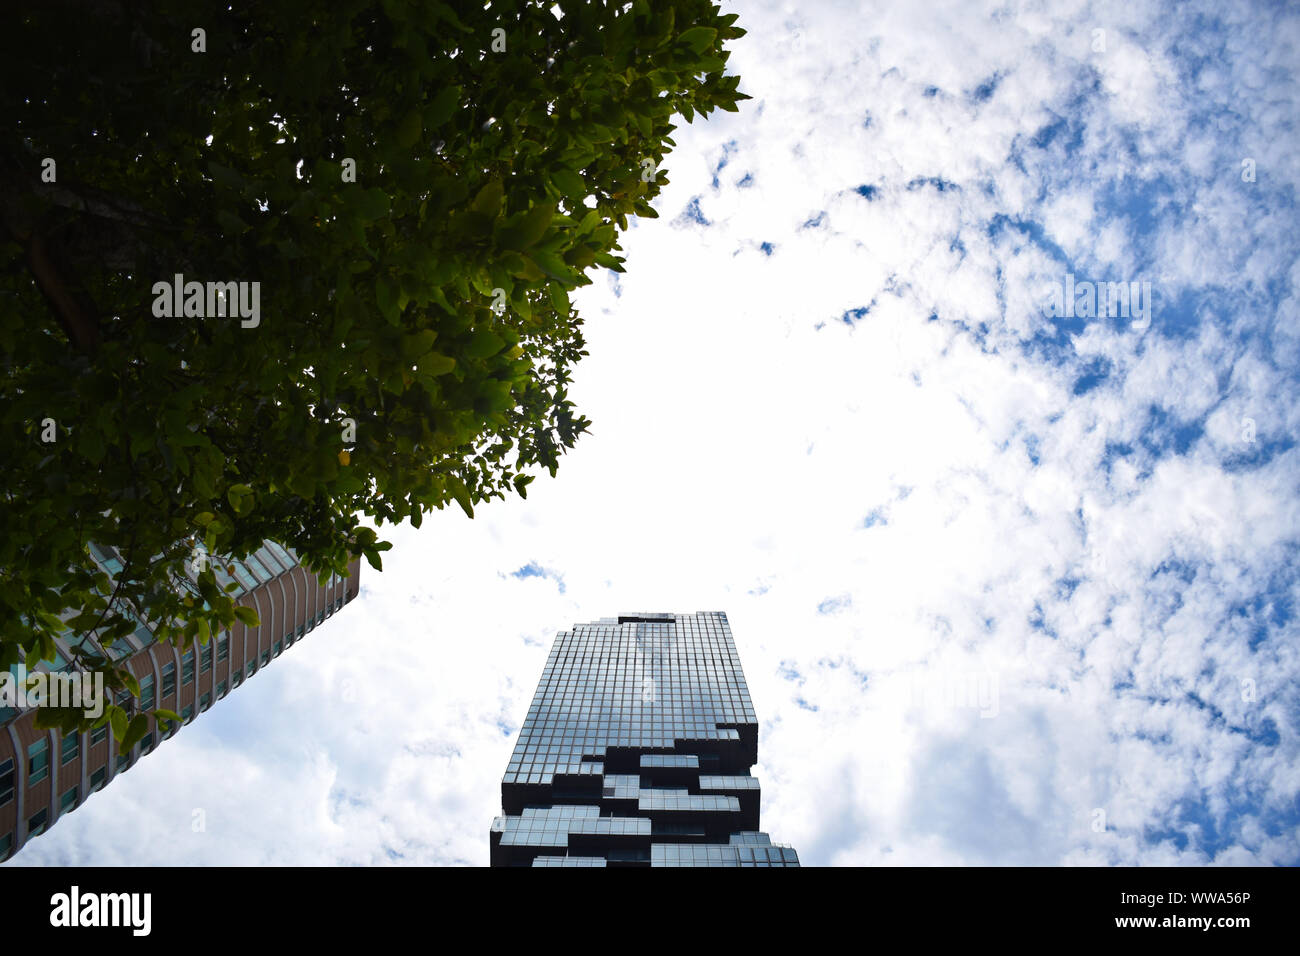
{"x": 640, "y": 738}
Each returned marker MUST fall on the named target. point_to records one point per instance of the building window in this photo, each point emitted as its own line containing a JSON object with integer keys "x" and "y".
{"x": 98, "y": 734}
{"x": 169, "y": 680}
{"x": 71, "y": 748}
{"x": 6, "y": 781}
{"x": 257, "y": 568}
{"x": 98, "y": 778}
{"x": 147, "y": 701}
{"x": 267, "y": 557}
{"x": 223, "y": 647}
{"x": 205, "y": 702}
{"x": 251, "y": 667}
{"x": 206, "y": 663}
{"x": 36, "y": 825}
{"x": 302, "y": 629}
{"x": 68, "y": 800}
{"x": 221, "y": 690}
{"x": 245, "y": 578}
{"x": 266, "y": 658}
{"x": 38, "y": 761}
{"x": 122, "y": 761}
{"x": 281, "y": 554}
{"x": 279, "y": 648}
{"x": 288, "y": 639}
{"x": 187, "y": 714}
{"x": 320, "y": 618}
{"x": 6, "y": 845}
{"x": 236, "y": 678}
{"x": 146, "y": 743}
{"x": 187, "y": 667}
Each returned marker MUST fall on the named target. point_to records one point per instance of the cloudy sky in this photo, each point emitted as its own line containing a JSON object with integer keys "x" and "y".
{"x": 1009, "y": 587}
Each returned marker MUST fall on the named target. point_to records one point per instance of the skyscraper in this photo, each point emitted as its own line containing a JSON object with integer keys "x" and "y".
{"x": 44, "y": 775}
{"x": 636, "y": 751}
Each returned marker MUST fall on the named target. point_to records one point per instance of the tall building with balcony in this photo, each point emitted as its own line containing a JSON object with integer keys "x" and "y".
{"x": 44, "y": 775}
{"x": 637, "y": 751}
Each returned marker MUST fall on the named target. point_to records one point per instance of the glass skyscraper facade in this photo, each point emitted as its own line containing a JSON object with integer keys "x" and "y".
{"x": 637, "y": 751}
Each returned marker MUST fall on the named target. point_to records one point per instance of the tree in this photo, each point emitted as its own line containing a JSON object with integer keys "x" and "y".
{"x": 271, "y": 271}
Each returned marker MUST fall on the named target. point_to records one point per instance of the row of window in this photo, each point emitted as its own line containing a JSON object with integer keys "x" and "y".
{"x": 221, "y": 653}
{"x": 38, "y": 755}
{"x": 40, "y": 819}
{"x": 38, "y": 758}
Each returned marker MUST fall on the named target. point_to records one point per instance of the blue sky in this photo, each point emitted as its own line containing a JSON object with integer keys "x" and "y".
{"x": 1009, "y": 588}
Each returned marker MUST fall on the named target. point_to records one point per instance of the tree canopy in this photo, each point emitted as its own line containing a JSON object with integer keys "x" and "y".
{"x": 272, "y": 271}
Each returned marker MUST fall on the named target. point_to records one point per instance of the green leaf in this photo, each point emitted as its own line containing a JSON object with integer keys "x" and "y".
{"x": 494, "y": 396}
{"x": 527, "y": 269}
{"x": 461, "y": 494}
{"x": 551, "y": 264}
{"x": 435, "y": 363}
{"x": 349, "y": 484}
{"x": 409, "y": 129}
{"x": 135, "y": 732}
{"x": 559, "y": 299}
{"x": 247, "y": 615}
{"x": 370, "y": 204}
{"x": 91, "y": 443}
{"x": 226, "y": 177}
{"x": 413, "y": 346}
{"x": 569, "y": 182}
{"x": 441, "y": 107}
{"x": 303, "y": 485}
{"x": 230, "y": 223}
{"x": 240, "y": 498}
{"x": 530, "y": 228}
{"x": 698, "y": 39}
{"x": 488, "y": 201}
{"x": 484, "y": 343}
{"x": 440, "y": 298}
{"x": 386, "y": 292}
{"x": 117, "y": 719}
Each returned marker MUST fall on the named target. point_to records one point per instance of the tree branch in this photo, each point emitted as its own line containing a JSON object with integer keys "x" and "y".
{"x": 73, "y": 308}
